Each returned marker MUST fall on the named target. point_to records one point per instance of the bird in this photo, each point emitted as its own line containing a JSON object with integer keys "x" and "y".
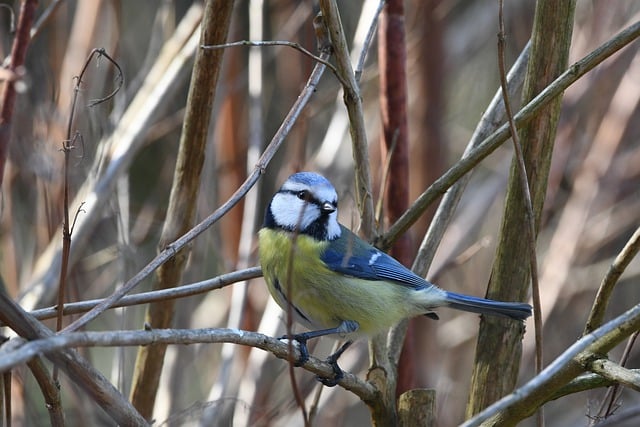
{"x": 335, "y": 283}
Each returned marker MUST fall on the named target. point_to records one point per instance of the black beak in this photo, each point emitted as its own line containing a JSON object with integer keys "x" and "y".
{"x": 328, "y": 207}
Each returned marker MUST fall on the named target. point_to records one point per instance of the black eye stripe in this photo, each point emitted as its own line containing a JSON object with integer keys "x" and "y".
{"x": 309, "y": 198}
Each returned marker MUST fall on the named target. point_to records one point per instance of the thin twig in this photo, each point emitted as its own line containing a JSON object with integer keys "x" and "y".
{"x": 285, "y": 43}
{"x": 367, "y": 41}
{"x": 608, "y": 405}
{"x": 183, "y": 291}
{"x": 526, "y": 195}
{"x": 67, "y": 146}
{"x": 628, "y": 253}
{"x": 290, "y": 307}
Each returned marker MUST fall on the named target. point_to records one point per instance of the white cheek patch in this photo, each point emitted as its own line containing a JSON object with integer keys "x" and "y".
{"x": 291, "y": 212}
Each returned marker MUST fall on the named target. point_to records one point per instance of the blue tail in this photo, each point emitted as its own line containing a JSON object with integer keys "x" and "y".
{"x": 514, "y": 310}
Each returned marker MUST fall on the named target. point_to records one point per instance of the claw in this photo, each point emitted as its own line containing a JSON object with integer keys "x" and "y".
{"x": 338, "y": 373}
{"x": 301, "y": 339}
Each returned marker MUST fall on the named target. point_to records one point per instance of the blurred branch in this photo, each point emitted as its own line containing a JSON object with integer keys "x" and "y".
{"x": 9, "y": 94}
{"x": 45, "y": 16}
{"x": 392, "y": 58}
{"x": 279, "y": 348}
{"x": 183, "y": 291}
{"x": 253, "y": 177}
{"x": 530, "y": 216}
{"x": 183, "y": 198}
{"x": 493, "y": 141}
{"x": 367, "y": 40}
{"x": 601, "y": 302}
{"x": 50, "y": 390}
{"x": 525, "y": 400}
{"x": 489, "y": 122}
{"x": 78, "y": 369}
{"x": 353, "y": 102}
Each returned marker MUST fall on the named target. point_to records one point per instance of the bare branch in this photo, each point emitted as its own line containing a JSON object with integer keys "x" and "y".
{"x": 18, "y": 354}
{"x": 286, "y": 43}
{"x": 526, "y": 399}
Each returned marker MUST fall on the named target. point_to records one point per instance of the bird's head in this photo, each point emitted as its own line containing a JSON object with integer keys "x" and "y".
{"x": 306, "y": 203}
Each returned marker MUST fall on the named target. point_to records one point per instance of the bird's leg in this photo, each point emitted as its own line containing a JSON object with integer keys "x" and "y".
{"x": 346, "y": 327}
{"x": 332, "y": 360}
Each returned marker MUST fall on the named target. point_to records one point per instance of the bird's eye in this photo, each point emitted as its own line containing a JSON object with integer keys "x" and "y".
{"x": 303, "y": 195}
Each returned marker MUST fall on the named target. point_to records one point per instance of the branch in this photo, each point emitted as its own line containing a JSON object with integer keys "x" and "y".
{"x": 183, "y": 291}
{"x": 19, "y": 354}
{"x": 9, "y": 94}
{"x": 630, "y": 250}
{"x": 353, "y": 102}
{"x": 285, "y": 43}
{"x": 614, "y": 372}
{"x": 526, "y": 399}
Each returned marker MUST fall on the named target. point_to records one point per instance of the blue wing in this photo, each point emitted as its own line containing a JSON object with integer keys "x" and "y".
{"x": 351, "y": 256}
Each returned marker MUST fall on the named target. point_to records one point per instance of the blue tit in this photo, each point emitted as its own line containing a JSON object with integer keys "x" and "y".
{"x": 336, "y": 283}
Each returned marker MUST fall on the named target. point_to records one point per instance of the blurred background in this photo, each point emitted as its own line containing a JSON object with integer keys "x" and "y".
{"x": 592, "y": 206}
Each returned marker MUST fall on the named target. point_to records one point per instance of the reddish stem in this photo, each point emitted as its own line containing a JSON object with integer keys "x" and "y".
{"x": 18, "y": 56}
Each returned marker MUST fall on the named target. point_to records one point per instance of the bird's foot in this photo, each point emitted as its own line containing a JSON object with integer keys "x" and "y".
{"x": 338, "y": 373}
{"x": 332, "y": 360}
{"x": 301, "y": 341}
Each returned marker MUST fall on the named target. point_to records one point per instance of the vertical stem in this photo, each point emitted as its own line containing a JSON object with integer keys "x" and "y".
{"x": 18, "y": 57}
{"x": 184, "y": 191}
{"x": 499, "y": 342}
{"x": 393, "y": 106}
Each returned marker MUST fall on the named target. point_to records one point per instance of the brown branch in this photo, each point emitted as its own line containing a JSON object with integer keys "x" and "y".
{"x": 392, "y": 58}
{"x": 67, "y": 145}
{"x": 183, "y": 197}
{"x": 54, "y": 343}
{"x": 183, "y": 291}
{"x": 521, "y": 170}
